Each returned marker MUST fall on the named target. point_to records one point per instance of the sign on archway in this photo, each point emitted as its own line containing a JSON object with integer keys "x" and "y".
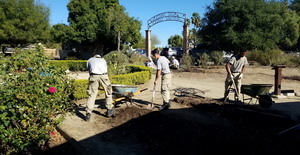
{"x": 167, "y": 16}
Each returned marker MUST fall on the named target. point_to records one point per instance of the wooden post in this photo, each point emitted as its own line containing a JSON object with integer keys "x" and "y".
{"x": 148, "y": 43}
{"x": 278, "y": 78}
{"x": 186, "y": 38}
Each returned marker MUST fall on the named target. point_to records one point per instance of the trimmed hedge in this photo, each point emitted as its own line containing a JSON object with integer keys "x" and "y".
{"x": 138, "y": 75}
{"x": 72, "y": 65}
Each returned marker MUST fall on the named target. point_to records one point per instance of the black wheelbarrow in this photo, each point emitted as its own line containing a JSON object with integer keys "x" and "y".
{"x": 260, "y": 92}
{"x": 124, "y": 93}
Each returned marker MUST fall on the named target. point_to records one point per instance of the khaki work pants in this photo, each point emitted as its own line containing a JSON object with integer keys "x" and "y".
{"x": 165, "y": 87}
{"x": 237, "y": 80}
{"x": 94, "y": 82}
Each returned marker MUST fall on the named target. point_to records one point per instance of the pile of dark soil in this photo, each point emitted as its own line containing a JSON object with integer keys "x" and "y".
{"x": 125, "y": 114}
{"x": 206, "y": 127}
{"x": 297, "y": 78}
{"x": 193, "y": 101}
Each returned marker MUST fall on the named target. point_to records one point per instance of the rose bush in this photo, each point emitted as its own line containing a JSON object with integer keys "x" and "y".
{"x": 34, "y": 98}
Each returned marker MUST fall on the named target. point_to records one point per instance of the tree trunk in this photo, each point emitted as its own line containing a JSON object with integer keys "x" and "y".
{"x": 119, "y": 40}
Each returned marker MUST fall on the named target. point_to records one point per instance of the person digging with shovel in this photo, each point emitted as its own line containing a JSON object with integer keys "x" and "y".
{"x": 163, "y": 72}
{"x": 235, "y": 69}
{"x": 97, "y": 68}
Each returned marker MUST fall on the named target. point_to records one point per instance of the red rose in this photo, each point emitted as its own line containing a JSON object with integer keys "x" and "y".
{"x": 52, "y": 90}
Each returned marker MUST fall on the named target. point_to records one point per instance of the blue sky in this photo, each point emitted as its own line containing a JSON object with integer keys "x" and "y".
{"x": 142, "y": 10}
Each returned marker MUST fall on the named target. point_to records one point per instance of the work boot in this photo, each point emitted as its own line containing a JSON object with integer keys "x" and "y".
{"x": 88, "y": 117}
{"x": 165, "y": 106}
{"x": 111, "y": 112}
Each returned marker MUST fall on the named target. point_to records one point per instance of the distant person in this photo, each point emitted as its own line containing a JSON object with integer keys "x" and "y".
{"x": 97, "y": 68}
{"x": 149, "y": 63}
{"x": 163, "y": 72}
{"x": 175, "y": 63}
{"x": 235, "y": 69}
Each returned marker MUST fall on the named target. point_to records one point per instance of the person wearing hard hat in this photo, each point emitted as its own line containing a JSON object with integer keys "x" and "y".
{"x": 175, "y": 63}
{"x": 97, "y": 68}
{"x": 235, "y": 70}
{"x": 163, "y": 72}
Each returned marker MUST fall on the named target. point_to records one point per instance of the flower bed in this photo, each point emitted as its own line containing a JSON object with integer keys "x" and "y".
{"x": 34, "y": 98}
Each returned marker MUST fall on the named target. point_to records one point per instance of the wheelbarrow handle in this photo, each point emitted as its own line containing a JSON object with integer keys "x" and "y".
{"x": 137, "y": 92}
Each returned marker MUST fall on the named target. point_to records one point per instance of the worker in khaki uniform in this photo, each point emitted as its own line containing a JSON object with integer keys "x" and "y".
{"x": 235, "y": 69}
{"x": 164, "y": 72}
{"x": 97, "y": 67}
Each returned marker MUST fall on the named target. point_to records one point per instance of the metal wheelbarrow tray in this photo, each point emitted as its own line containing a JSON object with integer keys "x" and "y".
{"x": 124, "y": 92}
{"x": 260, "y": 92}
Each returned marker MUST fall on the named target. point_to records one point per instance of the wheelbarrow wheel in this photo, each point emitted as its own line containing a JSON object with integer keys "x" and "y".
{"x": 265, "y": 101}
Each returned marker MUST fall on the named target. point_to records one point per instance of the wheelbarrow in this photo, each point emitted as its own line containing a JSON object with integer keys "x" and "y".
{"x": 258, "y": 91}
{"x": 124, "y": 93}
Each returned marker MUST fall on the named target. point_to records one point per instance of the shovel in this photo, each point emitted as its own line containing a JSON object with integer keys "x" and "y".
{"x": 151, "y": 106}
{"x": 234, "y": 87}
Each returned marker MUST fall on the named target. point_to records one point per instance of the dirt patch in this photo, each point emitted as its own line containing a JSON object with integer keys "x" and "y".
{"x": 201, "y": 126}
{"x": 128, "y": 113}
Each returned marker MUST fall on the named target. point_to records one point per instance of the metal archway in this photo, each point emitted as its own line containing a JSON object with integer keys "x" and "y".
{"x": 167, "y": 16}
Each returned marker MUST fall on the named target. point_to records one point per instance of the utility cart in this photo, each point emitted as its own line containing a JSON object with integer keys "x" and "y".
{"x": 124, "y": 93}
{"x": 258, "y": 91}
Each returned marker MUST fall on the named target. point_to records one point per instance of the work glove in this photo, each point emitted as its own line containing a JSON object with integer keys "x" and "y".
{"x": 231, "y": 76}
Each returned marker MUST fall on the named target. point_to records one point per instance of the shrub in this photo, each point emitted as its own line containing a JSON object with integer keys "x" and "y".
{"x": 204, "y": 59}
{"x": 217, "y": 57}
{"x": 29, "y": 108}
{"x": 296, "y": 60}
{"x": 72, "y": 65}
{"x": 187, "y": 62}
{"x": 138, "y": 75}
{"x": 270, "y": 57}
{"x": 116, "y": 61}
{"x": 80, "y": 89}
{"x": 137, "y": 59}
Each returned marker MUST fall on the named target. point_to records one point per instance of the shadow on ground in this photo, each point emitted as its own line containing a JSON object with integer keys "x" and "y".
{"x": 201, "y": 129}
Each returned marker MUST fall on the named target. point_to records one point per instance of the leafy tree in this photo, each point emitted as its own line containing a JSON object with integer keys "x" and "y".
{"x": 133, "y": 35}
{"x": 102, "y": 24}
{"x": 61, "y": 33}
{"x": 23, "y": 22}
{"x": 175, "y": 41}
{"x": 140, "y": 44}
{"x": 154, "y": 41}
{"x": 196, "y": 20}
{"x": 295, "y": 5}
{"x": 255, "y": 24}
{"x": 194, "y": 37}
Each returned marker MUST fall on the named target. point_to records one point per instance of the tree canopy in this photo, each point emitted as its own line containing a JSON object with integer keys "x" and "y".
{"x": 23, "y": 22}
{"x": 193, "y": 36}
{"x": 251, "y": 24}
{"x": 175, "y": 41}
{"x": 103, "y": 24}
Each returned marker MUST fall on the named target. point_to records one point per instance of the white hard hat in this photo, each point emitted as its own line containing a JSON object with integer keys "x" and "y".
{"x": 97, "y": 56}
